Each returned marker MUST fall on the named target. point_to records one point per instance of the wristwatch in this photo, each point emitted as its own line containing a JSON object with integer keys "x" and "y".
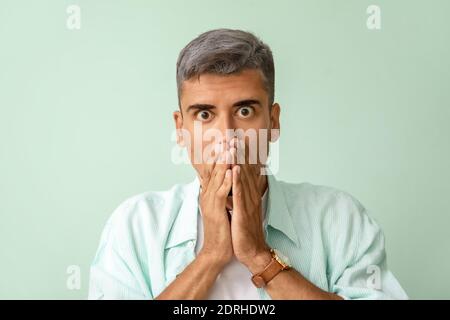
{"x": 275, "y": 266}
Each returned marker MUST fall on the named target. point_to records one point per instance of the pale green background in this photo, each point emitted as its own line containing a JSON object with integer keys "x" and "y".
{"x": 86, "y": 121}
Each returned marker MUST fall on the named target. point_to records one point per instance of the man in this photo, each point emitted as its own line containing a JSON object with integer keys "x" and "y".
{"x": 236, "y": 232}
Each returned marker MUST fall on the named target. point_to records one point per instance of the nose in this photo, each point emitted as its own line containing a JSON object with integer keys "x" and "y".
{"x": 226, "y": 127}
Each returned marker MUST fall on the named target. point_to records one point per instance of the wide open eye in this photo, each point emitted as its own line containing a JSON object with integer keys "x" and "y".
{"x": 204, "y": 115}
{"x": 245, "y": 112}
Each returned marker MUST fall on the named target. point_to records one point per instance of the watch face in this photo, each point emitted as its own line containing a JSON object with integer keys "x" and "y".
{"x": 282, "y": 257}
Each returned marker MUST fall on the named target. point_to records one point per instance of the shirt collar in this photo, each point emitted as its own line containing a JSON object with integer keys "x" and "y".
{"x": 277, "y": 213}
{"x": 264, "y": 203}
{"x": 185, "y": 226}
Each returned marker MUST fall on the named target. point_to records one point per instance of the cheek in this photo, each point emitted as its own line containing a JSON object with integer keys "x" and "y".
{"x": 256, "y": 123}
{"x": 202, "y": 154}
{"x": 257, "y": 146}
{"x": 199, "y": 168}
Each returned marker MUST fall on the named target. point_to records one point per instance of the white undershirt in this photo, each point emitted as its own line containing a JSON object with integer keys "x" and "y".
{"x": 234, "y": 282}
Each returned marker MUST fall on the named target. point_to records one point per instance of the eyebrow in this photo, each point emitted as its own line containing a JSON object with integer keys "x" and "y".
{"x": 202, "y": 106}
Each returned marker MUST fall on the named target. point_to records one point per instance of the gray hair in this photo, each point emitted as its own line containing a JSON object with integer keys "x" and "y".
{"x": 226, "y": 51}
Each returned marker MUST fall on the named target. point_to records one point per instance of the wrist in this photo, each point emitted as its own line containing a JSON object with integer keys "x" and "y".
{"x": 213, "y": 260}
{"x": 259, "y": 262}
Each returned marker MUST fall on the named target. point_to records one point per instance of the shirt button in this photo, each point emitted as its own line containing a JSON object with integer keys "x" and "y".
{"x": 191, "y": 244}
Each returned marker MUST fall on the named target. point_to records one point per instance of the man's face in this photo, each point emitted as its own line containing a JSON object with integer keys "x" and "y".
{"x": 225, "y": 103}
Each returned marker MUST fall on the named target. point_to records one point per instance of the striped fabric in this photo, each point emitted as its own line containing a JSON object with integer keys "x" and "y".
{"x": 326, "y": 234}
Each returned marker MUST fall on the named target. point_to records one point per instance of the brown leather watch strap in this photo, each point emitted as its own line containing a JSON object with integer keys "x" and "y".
{"x": 270, "y": 271}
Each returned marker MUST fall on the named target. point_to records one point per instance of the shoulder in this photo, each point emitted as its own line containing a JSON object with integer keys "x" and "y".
{"x": 315, "y": 195}
{"x": 333, "y": 217}
{"x": 147, "y": 214}
{"x": 323, "y": 204}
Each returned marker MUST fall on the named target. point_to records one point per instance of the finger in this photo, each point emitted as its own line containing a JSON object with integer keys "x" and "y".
{"x": 204, "y": 177}
{"x": 233, "y": 142}
{"x": 208, "y": 168}
{"x": 250, "y": 176}
{"x": 249, "y": 182}
{"x": 237, "y": 187}
{"x": 226, "y": 185}
{"x": 239, "y": 145}
{"x": 245, "y": 177}
{"x": 218, "y": 174}
{"x": 225, "y": 158}
{"x": 231, "y": 157}
{"x": 211, "y": 161}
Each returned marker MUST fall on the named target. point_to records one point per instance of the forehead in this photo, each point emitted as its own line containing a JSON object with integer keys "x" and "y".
{"x": 224, "y": 89}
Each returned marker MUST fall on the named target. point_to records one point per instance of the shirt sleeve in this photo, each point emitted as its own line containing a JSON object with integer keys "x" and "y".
{"x": 115, "y": 272}
{"x": 358, "y": 263}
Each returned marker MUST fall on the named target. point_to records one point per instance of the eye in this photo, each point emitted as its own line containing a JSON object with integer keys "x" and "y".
{"x": 245, "y": 112}
{"x": 204, "y": 115}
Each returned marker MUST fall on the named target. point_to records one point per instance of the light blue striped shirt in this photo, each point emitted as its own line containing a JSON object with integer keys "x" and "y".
{"x": 326, "y": 234}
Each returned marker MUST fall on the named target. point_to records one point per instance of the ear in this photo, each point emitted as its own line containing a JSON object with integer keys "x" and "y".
{"x": 178, "y": 120}
{"x": 275, "y": 122}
